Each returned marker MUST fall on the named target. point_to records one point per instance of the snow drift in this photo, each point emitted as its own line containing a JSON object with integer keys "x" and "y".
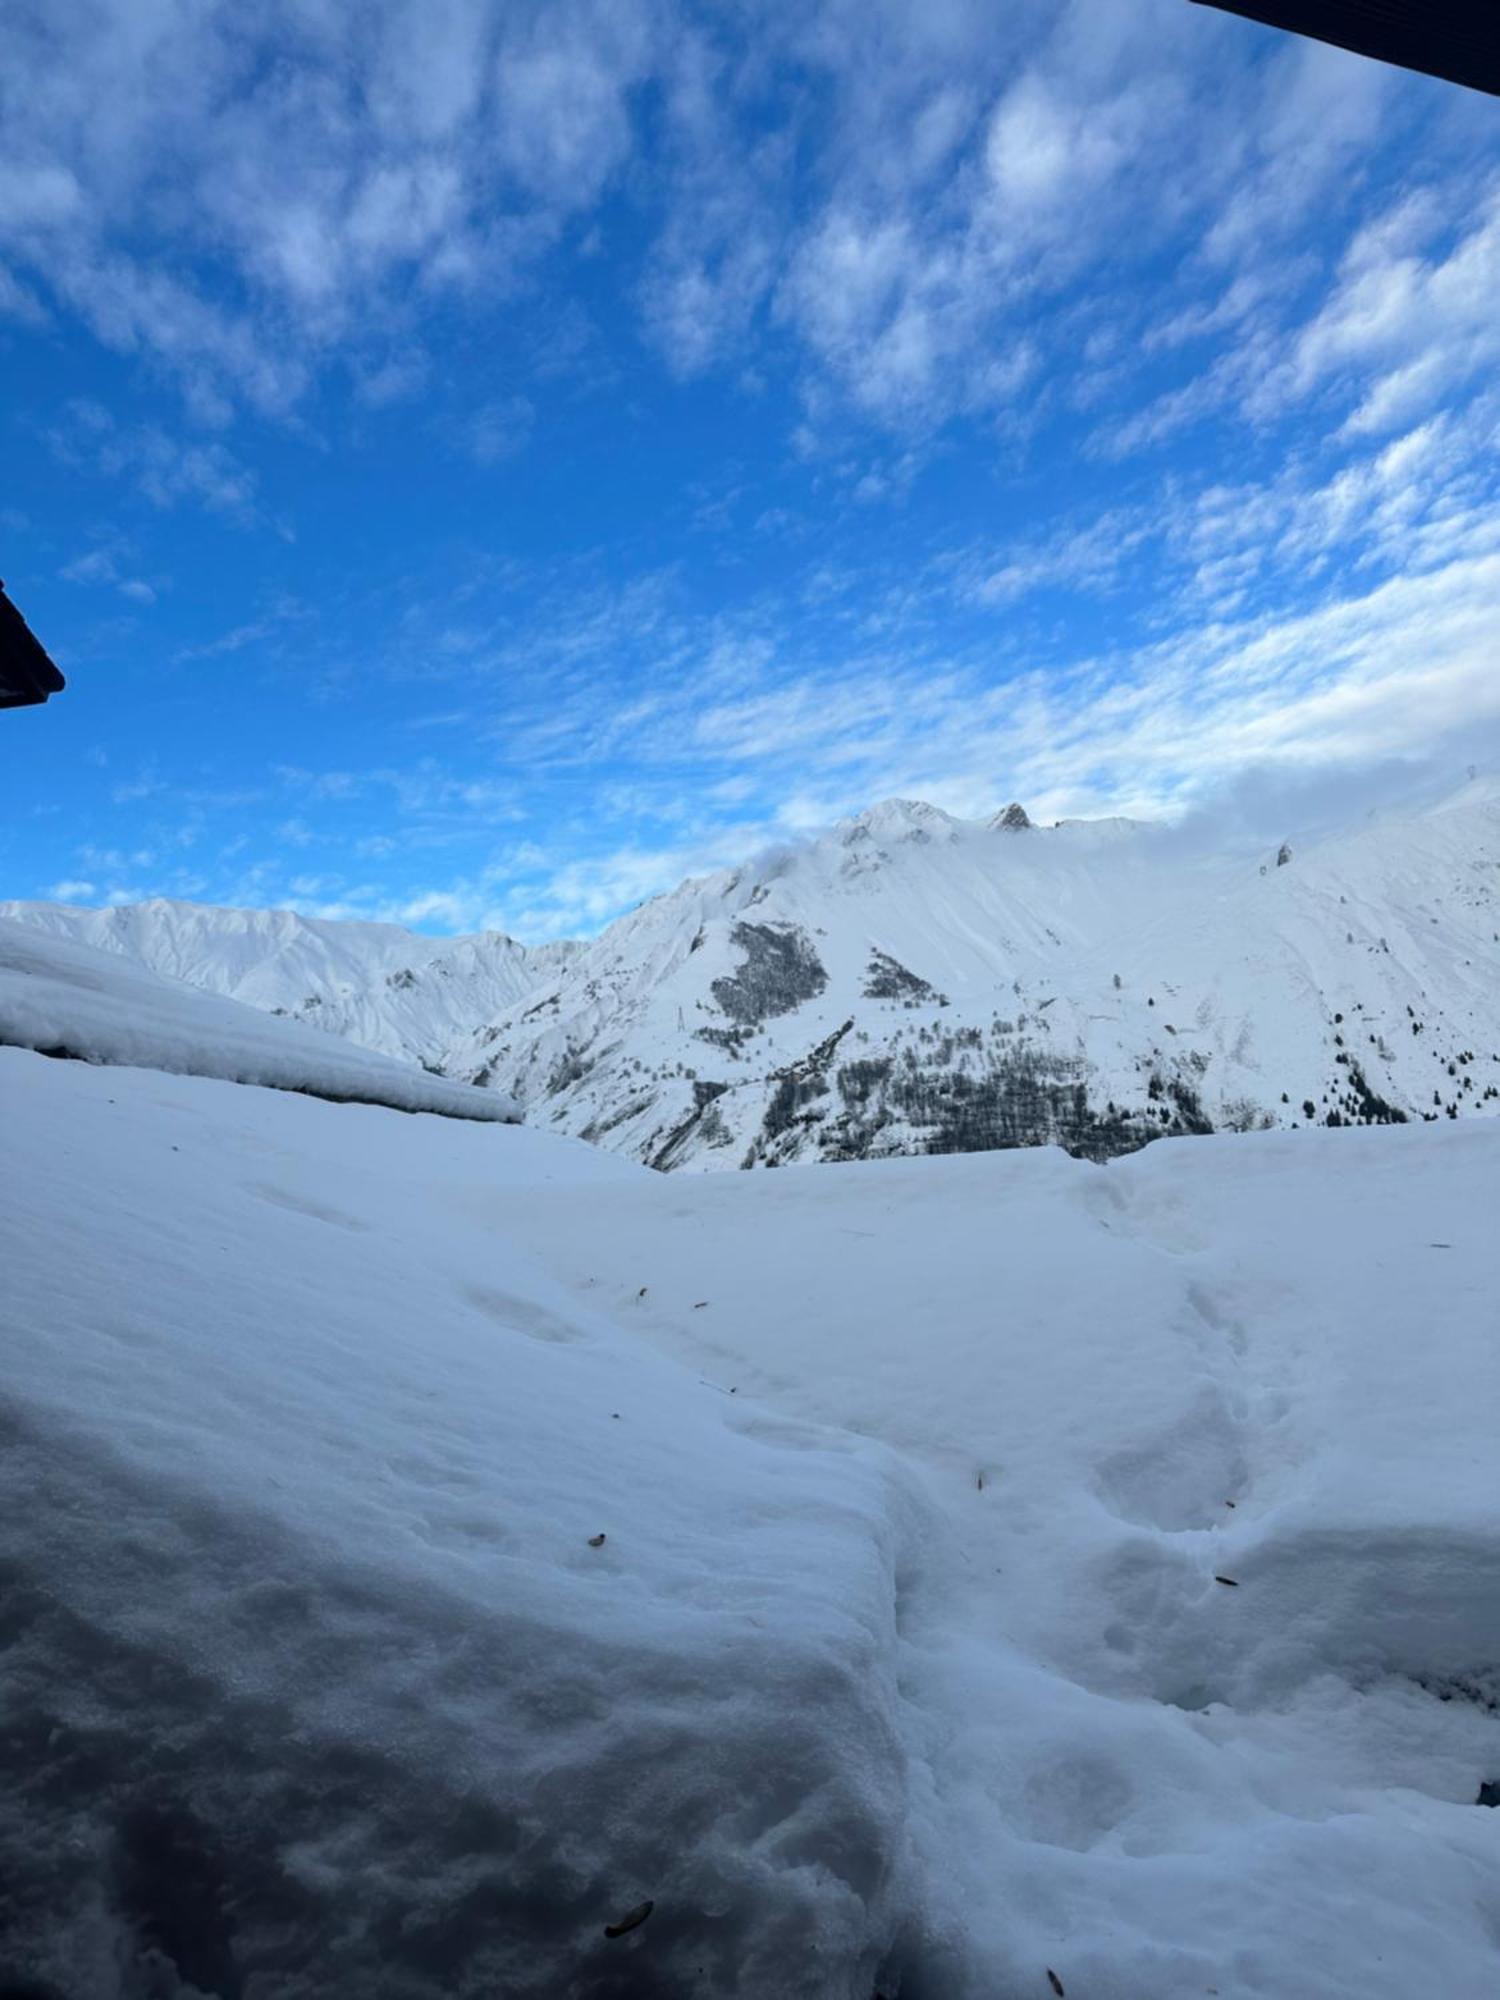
{"x": 65, "y": 999}
{"x": 378, "y": 1621}
{"x": 387, "y": 988}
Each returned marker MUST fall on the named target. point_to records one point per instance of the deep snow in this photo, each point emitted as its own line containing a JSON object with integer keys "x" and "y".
{"x": 1272, "y": 1359}
{"x": 68, "y": 1000}
{"x": 902, "y": 1666}
{"x": 304, "y": 1459}
{"x": 396, "y": 991}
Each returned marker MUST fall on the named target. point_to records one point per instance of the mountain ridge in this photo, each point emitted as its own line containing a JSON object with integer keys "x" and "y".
{"x": 911, "y": 982}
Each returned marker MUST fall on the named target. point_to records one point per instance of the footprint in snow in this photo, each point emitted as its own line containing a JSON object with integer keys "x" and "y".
{"x": 522, "y": 1315}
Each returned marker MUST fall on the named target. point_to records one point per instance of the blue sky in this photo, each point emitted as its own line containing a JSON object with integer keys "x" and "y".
{"x": 478, "y": 463}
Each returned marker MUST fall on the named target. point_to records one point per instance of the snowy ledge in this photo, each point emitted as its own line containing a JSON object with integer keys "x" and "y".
{"x": 64, "y": 999}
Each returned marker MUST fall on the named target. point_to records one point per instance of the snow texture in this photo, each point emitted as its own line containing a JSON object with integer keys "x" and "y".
{"x": 387, "y": 988}
{"x": 428, "y": 1544}
{"x": 316, "y": 1679}
{"x": 65, "y": 999}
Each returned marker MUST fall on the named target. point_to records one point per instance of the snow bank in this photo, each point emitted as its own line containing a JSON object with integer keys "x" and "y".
{"x": 1204, "y": 1668}
{"x": 378, "y": 1620}
{"x": 387, "y": 988}
{"x": 68, "y": 999}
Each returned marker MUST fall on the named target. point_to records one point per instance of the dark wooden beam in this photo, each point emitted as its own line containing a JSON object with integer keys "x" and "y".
{"x": 1458, "y": 40}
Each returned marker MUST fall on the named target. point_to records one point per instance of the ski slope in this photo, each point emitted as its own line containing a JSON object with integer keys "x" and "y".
{"x": 430, "y": 1543}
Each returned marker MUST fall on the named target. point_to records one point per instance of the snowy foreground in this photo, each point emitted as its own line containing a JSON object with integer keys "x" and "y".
{"x": 427, "y": 1543}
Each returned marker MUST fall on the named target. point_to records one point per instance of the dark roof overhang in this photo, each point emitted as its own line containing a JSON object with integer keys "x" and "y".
{"x": 1458, "y": 40}
{"x": 27, "y": 676}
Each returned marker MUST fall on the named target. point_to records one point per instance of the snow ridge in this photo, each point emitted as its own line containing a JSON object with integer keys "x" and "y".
{"x": 68, "y": 1000}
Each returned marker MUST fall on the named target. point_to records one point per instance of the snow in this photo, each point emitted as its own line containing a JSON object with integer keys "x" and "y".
{"x": 903, "y": 1666}
{"x": 303, "y": 1467}
{"x": 384, "y": 987}
{"x": 67, "y": 999}
{"x": 1268, "y": 1358}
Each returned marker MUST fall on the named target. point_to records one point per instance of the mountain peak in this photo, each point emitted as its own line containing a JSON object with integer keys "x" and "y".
{"x": 898, "y": 819}
{"x": 1014, "y": 819}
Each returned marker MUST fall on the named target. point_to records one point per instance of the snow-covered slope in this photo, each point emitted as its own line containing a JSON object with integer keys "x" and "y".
{"x": 442, "y": 1561}
{"x": 912, "y": 983}
{"x": 1200, "y": 1652}
{"x": 68, "y": 1000}
{"x": 384, "y": 987}
{"x": 316, "y": 1678}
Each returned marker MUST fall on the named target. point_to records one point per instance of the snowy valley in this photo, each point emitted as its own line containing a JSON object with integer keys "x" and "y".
{"x": 911, "y": 983}
{"x": 443, "y": 1560}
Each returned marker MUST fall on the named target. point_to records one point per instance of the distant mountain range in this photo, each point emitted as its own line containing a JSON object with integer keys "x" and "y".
{"x": 912, "y": 983}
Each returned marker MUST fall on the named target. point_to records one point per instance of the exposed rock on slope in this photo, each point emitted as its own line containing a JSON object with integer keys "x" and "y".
{"x": 917, "y": 984}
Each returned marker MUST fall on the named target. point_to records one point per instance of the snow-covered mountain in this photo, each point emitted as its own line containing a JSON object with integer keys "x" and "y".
{"x": 914, "y": 983}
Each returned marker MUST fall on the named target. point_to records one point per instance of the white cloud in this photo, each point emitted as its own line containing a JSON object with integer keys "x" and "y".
{"x": 734, "y": 745}
{"x": 1407, "y": 325}
{"x": 237, "y": 196}
{"x": 935, "y": 208}
{"x": 102, "y": 565}
{"x": 1090, "y": 557}
{"x": 1402, "y": 671}
{"x": 427, "y": 74}
{"x": 496, "y": 430}
{"x": 1317, "y": 117}
{"x": 563, "y": 83}
{"x": 166, "y": 469}
{"x": 95, "y": 567}
{"x": 1389, "y": 666}
{"x": 1042, "y": 149}
{"x": 37, "y": 197}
